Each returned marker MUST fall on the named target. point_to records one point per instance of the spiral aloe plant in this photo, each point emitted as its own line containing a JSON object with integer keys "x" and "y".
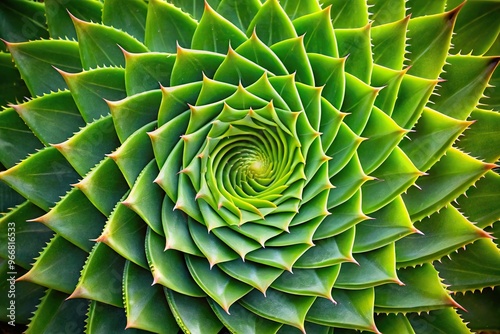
{"x": 250, "y": 166}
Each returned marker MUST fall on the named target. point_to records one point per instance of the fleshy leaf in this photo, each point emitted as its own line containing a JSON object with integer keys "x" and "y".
{"x": 167, "y": 27}
{"x": 101, "y": 277}
{"x": 422, "y": 291}
{"x": 42, "y": 191}
{"x": 145, "y": 305}
{"x": 196, "y": 320}
{"x": 353, "y": 309}
{"x": 130, "y": 18}
{"x": 223, "y": 289}
{"x": 59, "y": 20}
{"x": 475, "y": 267}
{"x": 279, "y": 306}
{"x": 442, "y": 233}
{"x": 169, "y": 267}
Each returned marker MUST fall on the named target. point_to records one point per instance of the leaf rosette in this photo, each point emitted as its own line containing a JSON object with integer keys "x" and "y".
{"x": 257, "y": 167}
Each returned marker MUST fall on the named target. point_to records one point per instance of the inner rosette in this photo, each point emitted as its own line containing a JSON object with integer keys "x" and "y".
{"x": 251, "y": 171}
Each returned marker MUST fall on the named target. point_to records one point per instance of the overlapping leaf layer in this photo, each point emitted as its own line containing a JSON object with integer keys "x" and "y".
{"x": 250, "y": 166}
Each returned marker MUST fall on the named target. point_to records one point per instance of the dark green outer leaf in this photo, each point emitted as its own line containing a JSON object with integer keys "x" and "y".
{"x": 482, "y": 308}
{"x": 42, "y": 191}
{"x": 12, "y": 87}
{"x": 167, "y": 27}
{"x": 30, "y": 13}
{"x": 33, "y": 236}
{"x": 195, "y": 320}
{"x": 130, "y": 18}
{"x": 104, "y": 319}
{"x": 476, "y": 267}
{"x": 146, "y": 306}
{"x": 41, "y": 57}
{"x": 101, "y": 277}
{"x": 59, "y": 20}
{"x": 58, "y": 266}
{"x": 16, "y": 139}
{"x": 438, "y": 321}
{"x": 56, "y": 314}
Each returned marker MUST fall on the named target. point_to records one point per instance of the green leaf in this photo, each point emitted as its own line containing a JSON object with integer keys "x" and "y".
{"x": 300, "y": 8}
{"x": 27, "y": 295}
{"x": 393, "y": 324}
{"x": 104, "y": 186}
{"x": 308, "y": 282}
{"x": 223, "y": 289}
{"x": 396, "y": 174}
{"x": 215, "y": 33}
{"x": 442, "y": 233}
{"x": 479, "y": 204}
{"x": 91, "y": 88}
{"x": 167, "y": 27}
{"x": 146, "y": 306}
{"x": 455, "y": 173}
{"x": 259, "y": 53}
{"x": 431, "y": 138}
{"x": 146, "y": 197}
{"x": 16, "y": 139}
{"x": 279, "y": 306}
{"x": 430, "y": 38}
{"x": 195, "y": 7}
{"x": 465, "y": 77}
{"x": 59, "y": 20}
{"x": 476, "y": 267}
{"x": 352, "y": 309}
{"x": 240, "y": 13}
{"x": 412, "y": 97}
{"x": 55, "y": 313}
{"x": 319, "y": 37}
{"x": 329, "y": 73}
{"x": 422, "y": 291}
{"x": 355, "y": 45}
{"x": 104, "y": 318}
{"x": 271, "y": 24}
{"x": 101, "y": 277}
{"x": 26, "y": 179}
{"x": 130, "y": 18}
{"x": 374, "y": 268}
{"x": 30, "y": 13}
{"x": 102, "y": 45}
{"x": 70, "y": 219}
{"x": 482, "y": 139}
{"x": 390, "y": 80}
{"x": 387, "y": 224}
{"x": 236, "y": 69}
{"x": 191, "y": 65}
{"x": 440, "y": 321}
{"x": 279, "y": 257}
{"x": 12, "y": 87}
{"x": 383, "y": 134}
{"x": 243, "y": 321}
{"x": 16, "y": 230}
{"x": 428, "y": 8}
{"x": 358, "y": 102}
{"x": 125, "y": 233}
{"x": 53, "y": 118}
{"x": 384, "y": 12}
{"x": 212, "y": 248}
{"x": 147, "y": 71}
{"x": 133, "y": 112}
{"x": 58, "y": 266}
{"x": 389, "y": 42}
{"x": 329, "y": 251}
{"x": 347, "y": 14}
{"x": 292, "y": 53}
{"x": 482, "y": 309}
{"x": 169, "y": 267}
{"x": 257, "y": 275}
{"x": 193, "y": 315}
{"x": 130, "y": 163}
{"x": 477, "y": 27}
{"x": 86, "y": 148}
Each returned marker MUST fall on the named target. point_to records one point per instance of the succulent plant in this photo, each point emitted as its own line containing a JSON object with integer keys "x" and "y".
{"x": 250, "y": 166}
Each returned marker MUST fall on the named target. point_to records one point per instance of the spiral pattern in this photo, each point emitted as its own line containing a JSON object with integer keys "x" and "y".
{"x": 254, "y": 161}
